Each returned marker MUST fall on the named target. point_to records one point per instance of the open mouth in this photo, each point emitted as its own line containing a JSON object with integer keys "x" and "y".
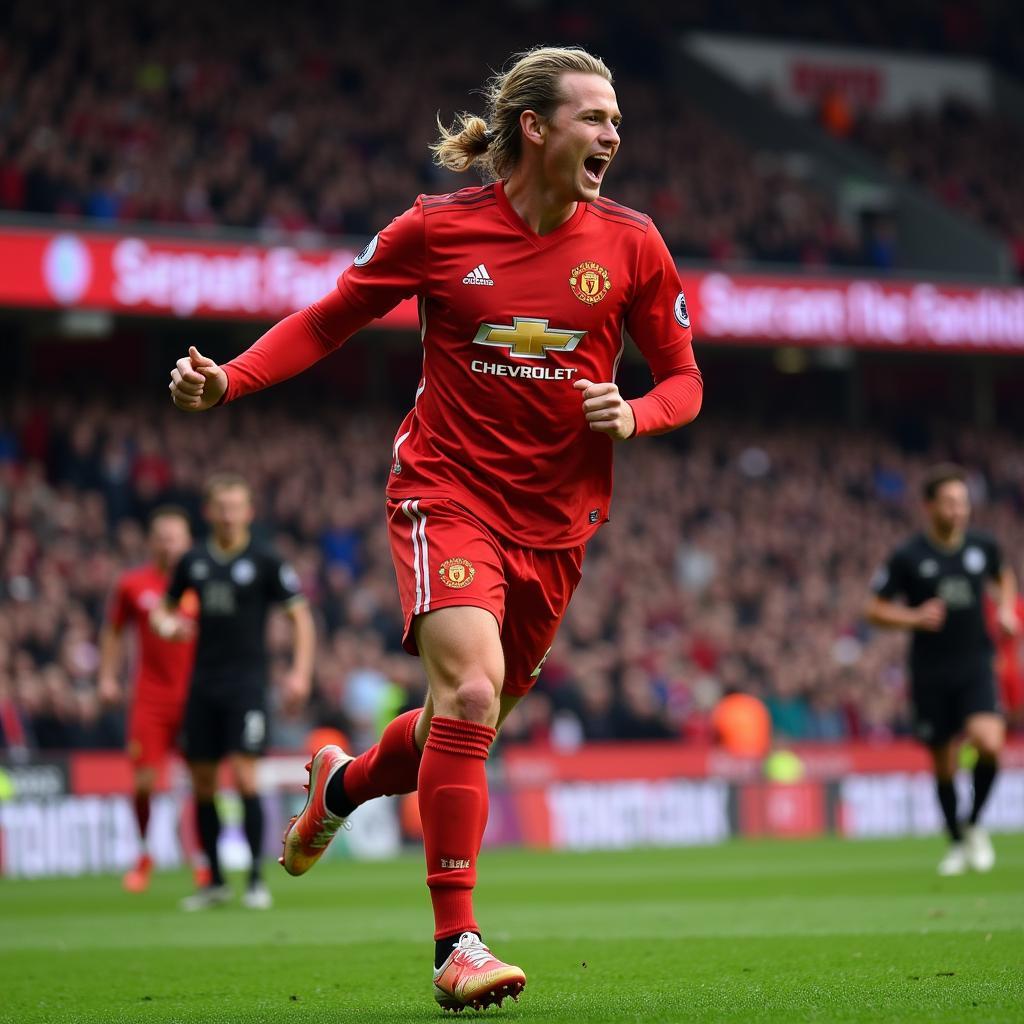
{"x": 595, "y": 166}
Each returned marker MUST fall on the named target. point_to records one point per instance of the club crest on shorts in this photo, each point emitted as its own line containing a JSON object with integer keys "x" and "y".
{"x": 589, "y": 282}
{"x": 457, "y": 572}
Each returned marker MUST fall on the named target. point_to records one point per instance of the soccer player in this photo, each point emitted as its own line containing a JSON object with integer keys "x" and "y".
{"x": 236, "y": 581}
{"x": 1009, "y": 673}
{"x": 942, "y": 574}
{"x": 527, "y": 287}
{"x": 163, "y": 667}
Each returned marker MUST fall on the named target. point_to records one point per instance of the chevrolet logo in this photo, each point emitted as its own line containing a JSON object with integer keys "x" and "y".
{"x": 528, "y": 338}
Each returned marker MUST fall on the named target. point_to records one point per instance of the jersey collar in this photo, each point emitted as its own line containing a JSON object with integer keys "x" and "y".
{"x": 537, "y": 241}
{"x": 944, "y": 549}
{"x": 222, "y": 556}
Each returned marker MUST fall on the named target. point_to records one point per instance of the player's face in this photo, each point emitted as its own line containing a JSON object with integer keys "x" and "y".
{"x": 582, "y": 137}
{"x": 169, "y": 539}
{"x": 229, "y": 513}
{"x": 950, "y": 509}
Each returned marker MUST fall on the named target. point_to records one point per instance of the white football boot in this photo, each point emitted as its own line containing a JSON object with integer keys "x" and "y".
{"x": 980, "y": 854}
{"x": 955, "y": 862}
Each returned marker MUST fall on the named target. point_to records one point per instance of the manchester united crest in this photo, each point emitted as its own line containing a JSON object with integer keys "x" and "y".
{"x": 457, "y": 572}
{"x": 589, "y": 282}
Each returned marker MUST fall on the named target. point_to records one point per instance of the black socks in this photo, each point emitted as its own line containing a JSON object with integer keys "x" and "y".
{"x": 443, "y": 947}
{"x": 253, "y": 819}
{"x": 947, "y": 801}
{"x": 985, "y": 769}
{"x": 335, "y": 798}
{"x": 208, "y": 824}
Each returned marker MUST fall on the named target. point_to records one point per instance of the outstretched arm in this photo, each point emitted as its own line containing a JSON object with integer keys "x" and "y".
{"x": 288, "y": 348}
{"x": 391, "y": 268}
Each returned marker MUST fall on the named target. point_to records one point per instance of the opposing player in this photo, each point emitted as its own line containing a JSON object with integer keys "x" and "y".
{"x": 942, "y": 574}
{"x": 527, "y": 288}
{"x": 237, "y": 581}
{"x": 162, "y": 668}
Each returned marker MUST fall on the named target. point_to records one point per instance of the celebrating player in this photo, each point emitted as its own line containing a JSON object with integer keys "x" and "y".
{"x": 942, "y": 574}
{"x": 501, "y": 472}
{"x": 236, "y": 581}
{"x": 163, "y": 666}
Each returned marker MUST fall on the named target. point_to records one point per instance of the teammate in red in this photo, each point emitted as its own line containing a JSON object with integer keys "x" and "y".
{"x": 527, "y": 290}
{"x": 1008, "y": 667}
{"x": 163, "y": 668}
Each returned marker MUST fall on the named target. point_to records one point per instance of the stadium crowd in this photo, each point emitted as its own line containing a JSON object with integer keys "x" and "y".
{"x": 736, "y": 558}
{"x": 316, "y": 121}
{"x": 971, "y": 160}
{"x": 175, "y": 115}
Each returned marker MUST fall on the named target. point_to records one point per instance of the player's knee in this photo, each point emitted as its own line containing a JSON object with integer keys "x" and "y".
{"x": 475, "y": 700}
{"x": 988, "y": 745}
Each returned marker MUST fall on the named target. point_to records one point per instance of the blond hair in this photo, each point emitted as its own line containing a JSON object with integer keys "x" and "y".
{"x": 226, "y": 481}
{"x": 494, "y": 143}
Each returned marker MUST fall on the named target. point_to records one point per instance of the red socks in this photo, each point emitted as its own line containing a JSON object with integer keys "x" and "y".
{"x": 453, "y": 808}
{"x": 451, "y": 780}
{"x": 142, "y": 805}
{"x": 389, "y": 767}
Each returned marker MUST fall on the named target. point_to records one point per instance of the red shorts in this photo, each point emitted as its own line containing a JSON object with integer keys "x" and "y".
{"x": 445, "y": 557}
{"x": 153, "y": 732}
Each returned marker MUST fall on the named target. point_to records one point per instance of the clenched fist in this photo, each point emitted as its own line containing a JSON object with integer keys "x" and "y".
{"x": 606, "y": 411}
{"x": 197, "y": 382}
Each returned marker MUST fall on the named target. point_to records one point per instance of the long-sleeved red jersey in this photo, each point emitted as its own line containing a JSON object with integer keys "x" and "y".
{"x": 509, "y": 319}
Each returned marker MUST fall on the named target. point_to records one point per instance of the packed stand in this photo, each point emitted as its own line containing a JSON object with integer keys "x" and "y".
{"x": 735, "y": 559}
{"x": 969, "y": 159}
{"x": 989, "y": 29}
{"x": 208, "y": 118}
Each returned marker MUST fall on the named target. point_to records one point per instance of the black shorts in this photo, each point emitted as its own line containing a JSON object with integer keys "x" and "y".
{"x": 942, "y": 701}
{"x": 220, "y": 722}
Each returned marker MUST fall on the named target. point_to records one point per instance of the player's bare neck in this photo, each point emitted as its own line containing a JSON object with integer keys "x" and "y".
{"x": 227, "y": 546}
{"x": 540, "y": 208}
{"x": 946, "y": 541}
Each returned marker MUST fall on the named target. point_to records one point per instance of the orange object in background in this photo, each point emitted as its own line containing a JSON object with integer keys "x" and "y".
{"x": 835, "y": 114}
{"x": 742, "y": 725}
{"x": 323, "y": 736}
{"x": 409, "y": 817}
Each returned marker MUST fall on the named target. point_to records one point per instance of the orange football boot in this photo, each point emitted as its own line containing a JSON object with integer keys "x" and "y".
{"x": 137, "y": 880}
{"x": 310, "y": 832}
{"x": 473, "y": 976}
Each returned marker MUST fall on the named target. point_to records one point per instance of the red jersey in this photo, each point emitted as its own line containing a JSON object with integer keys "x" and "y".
{"x": 1008, "y": 652}
{"x": 164, "y": 666}
{"x": 509, "y": 319}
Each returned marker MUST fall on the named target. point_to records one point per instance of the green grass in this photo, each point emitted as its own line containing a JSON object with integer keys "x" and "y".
{"x": 816, "y": 931}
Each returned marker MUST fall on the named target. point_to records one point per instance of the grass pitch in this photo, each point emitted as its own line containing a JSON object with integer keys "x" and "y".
{"x": 768, "y": 931}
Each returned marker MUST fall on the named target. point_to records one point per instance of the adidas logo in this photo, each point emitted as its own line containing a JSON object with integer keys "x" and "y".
{"x": 478, "y": 275}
